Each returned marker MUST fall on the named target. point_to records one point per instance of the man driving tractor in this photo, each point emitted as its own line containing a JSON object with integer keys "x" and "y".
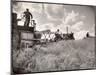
{"x": 58, "y": 35}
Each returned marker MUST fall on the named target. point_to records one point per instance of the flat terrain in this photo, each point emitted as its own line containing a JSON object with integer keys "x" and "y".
{"x": 55, "y": 56}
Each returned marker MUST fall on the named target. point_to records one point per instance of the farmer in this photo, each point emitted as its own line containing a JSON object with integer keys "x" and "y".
{"x": 27, "y": 16}
{"x": 58, "y": 31}
{"x": 58, "y": 34}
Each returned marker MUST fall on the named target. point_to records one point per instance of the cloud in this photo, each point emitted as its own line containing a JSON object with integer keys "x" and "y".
{"x": 77, "y": 26}
{"x": 71, "y": 17}
{"x": 46, "y": 26}
{"x": 53, "y": 17}
{"x": 54, "y": 11}
{"x": 20, "y": 7}
{"x": 92, "y": 30}
{"x": 83, "y": 17}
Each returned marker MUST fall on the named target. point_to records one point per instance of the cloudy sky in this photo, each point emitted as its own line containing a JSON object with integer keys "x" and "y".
{"x": 79, "y": 19}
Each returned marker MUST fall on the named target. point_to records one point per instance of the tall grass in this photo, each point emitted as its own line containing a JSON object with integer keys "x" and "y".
{"x": 62, "y": 55}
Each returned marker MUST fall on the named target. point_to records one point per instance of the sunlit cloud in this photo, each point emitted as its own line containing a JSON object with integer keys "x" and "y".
{"x": 71, "y": 17}
{"x": 78, "y": 19}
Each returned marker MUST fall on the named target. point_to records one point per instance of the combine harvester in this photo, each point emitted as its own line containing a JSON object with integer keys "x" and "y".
{"x": 29, "y": 36}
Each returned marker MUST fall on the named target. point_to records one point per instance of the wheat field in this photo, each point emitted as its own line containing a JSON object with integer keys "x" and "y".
{"x": 56, "y": 56}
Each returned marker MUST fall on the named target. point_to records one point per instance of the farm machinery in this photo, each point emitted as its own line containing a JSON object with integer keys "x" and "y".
{"x": 29, "y": 36}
